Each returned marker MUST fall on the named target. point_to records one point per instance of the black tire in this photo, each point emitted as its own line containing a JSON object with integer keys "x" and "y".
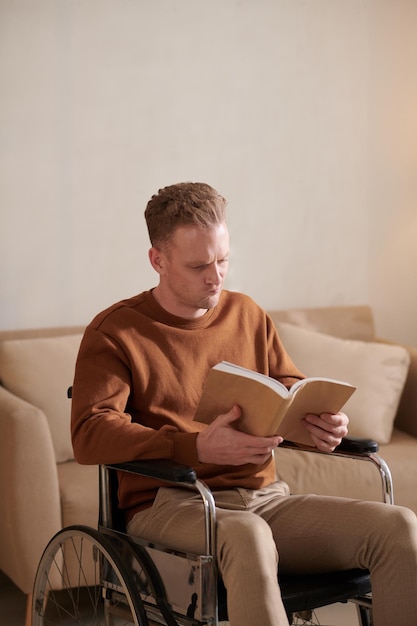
{"x": 82, "y": 581}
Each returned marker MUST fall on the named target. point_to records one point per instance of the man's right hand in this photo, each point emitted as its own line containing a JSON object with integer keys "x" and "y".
{"x": 220, "y": 443}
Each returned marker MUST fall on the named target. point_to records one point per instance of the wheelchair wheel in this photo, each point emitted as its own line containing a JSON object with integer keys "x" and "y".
{"x": 81, "y": 580}
{"x": 304, "y": 618}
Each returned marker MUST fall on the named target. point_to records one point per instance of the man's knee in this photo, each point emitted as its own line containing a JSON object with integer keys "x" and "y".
{"x": 404, "y": 526}
{"x": 394, "y": 530}
{"x": 395, "y": 520}
{"x": 246, "y": 537}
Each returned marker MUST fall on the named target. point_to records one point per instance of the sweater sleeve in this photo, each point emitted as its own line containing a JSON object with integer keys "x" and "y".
{"x": 101, "y": 429}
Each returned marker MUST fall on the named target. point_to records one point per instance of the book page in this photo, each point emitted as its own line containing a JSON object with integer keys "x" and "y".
{"x": 238, "y": 370}
{"x": 304, "y": 381}
{"x": 318, "y": 396}
{"x": 264, "y": 411}
{"x": 260, "y": 405}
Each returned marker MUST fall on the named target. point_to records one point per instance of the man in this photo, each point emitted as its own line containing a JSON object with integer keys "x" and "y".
{"x": 139, "y": 376}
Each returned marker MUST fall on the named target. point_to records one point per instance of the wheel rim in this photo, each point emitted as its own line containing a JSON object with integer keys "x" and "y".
{"x": 82, "y": 581}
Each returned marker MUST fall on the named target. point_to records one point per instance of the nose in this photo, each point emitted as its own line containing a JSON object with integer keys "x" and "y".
{"x": 214, "y": 274}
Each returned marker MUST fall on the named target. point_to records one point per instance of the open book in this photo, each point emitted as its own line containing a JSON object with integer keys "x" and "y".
{"x": 268, "y": 407}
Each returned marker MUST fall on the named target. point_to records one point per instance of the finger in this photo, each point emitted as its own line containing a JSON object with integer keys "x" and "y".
{"x": 261, "y": 449}
{"x": 314, "y": 422}
{"x": 335, "y": 419}
{"x": 257, "y": 440}
{"x": 251, "y": 440}
{"x": 323, "y": 439}
{"x": 336, "y": 424}
{"x": 324, "y": 446}
{"x": 232, "y": 415}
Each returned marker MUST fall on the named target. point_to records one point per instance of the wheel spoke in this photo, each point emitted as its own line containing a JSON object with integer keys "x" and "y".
{"x": 81, "y": 581}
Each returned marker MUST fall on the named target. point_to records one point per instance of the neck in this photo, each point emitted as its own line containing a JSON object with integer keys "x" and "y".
{"x": 176, "y": 309}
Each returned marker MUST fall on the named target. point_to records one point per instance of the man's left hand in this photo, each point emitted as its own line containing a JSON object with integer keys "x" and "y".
{"x": 327, "y": 430}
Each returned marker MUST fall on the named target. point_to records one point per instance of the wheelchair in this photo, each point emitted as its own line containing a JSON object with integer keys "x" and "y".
{"x": 104, "y": 577}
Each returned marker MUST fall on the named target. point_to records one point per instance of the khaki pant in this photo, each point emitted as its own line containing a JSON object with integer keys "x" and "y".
{"x": 258, "y": 529}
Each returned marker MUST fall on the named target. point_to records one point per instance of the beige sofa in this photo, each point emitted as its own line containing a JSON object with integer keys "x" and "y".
{"x": 42, "y": 489}
{"x": 383, "y": 408}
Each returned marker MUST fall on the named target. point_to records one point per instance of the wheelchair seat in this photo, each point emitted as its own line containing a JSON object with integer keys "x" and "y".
{"x": 123, "y": 577}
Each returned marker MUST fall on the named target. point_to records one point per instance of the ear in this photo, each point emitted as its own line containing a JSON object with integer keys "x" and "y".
{"x": 157, "y": 259}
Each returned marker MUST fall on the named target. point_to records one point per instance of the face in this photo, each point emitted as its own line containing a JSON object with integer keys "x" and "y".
{"x": 191, "y": 269}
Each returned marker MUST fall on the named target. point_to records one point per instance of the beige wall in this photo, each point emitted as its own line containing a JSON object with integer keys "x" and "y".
{"x": 393, "y": 232}
{"x": 303, "y": 113}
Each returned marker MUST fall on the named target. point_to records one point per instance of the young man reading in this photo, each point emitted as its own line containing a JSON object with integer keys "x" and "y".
{"x": 139, "y": 376}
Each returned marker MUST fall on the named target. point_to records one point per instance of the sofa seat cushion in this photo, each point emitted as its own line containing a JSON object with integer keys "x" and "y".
{"x": 40, "y": 370}
{"x": 377, "y": 370}
{"x": 79, "y": 491}
{"x": 308, "y": 472}
{"x": 334, "y": 476}
{"x": 401, "y": 456}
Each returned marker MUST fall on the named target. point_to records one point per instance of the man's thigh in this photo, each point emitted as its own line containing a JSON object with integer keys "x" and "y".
{"x": 311, "y": 533}
{"x": 323, "y": 533}
{"x": 176, "y": 519}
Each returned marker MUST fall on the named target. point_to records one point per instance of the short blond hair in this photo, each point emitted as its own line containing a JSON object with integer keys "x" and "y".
{"x": 183, "y": 204}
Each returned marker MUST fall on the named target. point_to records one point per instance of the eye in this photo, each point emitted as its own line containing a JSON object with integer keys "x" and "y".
{"x": 222, "y": 262}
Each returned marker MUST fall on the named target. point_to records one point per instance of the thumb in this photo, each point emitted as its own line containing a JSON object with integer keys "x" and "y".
{"x": 232, "y": 415}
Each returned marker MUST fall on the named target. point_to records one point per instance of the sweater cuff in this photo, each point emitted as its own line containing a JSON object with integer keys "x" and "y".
{"x": 185, "y": 448}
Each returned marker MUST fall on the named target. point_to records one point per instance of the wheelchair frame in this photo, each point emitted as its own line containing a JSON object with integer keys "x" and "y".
{"x": 141, "y": 581}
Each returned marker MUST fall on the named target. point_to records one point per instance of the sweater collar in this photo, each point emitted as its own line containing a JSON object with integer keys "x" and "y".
{"x": 158, "y": 313}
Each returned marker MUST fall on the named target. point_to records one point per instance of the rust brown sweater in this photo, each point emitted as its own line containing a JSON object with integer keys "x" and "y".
{"x": 139, "y": 376}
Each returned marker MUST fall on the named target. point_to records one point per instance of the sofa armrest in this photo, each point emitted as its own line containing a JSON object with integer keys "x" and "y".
{"x": 406, "y": 419}
{"x": 29, "y": 491}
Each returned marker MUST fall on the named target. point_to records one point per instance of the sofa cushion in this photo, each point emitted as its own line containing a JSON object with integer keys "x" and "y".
{"x": 40, "y": 371}
{"x": 348, "y": 322}
{"x": 79, "y": 491}
{"x": 377, "y": 370}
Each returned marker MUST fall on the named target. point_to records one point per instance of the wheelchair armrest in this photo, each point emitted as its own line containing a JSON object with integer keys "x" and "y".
{"x": 160, "y": 469}
{"x": 176, "y": 473}
{"x": 163, "y": 469}
{"x": 349, "y": 445}
{"x": 358, "y": 445}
